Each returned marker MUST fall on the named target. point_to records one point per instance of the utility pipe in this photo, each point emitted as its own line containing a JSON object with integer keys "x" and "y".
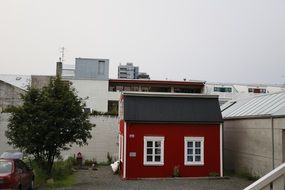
{"x": 273, "y": 151}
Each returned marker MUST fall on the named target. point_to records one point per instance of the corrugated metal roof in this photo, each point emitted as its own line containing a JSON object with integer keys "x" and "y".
{"x": 175, "y": 108}
{"x": 263, "y": 105}
{"x": 20, "y": 81}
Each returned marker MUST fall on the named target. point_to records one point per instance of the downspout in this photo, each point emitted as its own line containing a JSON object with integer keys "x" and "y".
{"x": 223, "y": 148}
{"x": 273, "y": 151}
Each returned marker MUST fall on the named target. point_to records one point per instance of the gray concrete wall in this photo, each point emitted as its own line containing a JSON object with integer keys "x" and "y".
{"x": 248, "y": 145}
{"x": 4, "y": 119}
{"x": 91, "y": 69}
{"x": 9, "y": 95}
{"x": 39, "y": 81}
{"x": 104, "y": 139}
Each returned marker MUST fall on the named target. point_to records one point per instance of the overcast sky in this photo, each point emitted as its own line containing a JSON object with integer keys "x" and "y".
{"x": 212, "y": 40}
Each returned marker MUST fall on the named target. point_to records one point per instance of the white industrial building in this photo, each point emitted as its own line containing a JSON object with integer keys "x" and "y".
{"x": 230, "y": 91}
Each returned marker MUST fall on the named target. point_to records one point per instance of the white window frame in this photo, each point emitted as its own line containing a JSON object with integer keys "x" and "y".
{"x": 194, "y": 139}
{"x": 153, "y": 139}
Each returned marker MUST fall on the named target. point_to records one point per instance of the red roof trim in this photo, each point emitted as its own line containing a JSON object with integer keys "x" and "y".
{"x": 159, "y": 82}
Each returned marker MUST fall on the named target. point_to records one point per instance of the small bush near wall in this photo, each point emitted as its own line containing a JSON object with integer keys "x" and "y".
{"x": 89, "y": 163}
{"x": 112, "y": 113}
{"x": 247, "y": 175}
{"x": 176, "y": 172}
{"x": 61, "y": 174}
{"x": 213, "y": 174}
{"x": 109, "y": 158}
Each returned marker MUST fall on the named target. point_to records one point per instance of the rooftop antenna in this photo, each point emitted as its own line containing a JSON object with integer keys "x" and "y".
{"x": 61, "y": 58}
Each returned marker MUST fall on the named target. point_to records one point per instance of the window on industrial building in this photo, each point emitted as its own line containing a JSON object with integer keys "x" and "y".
{"x": 101, "y": 67}
{"x": 222, "y": 89}
{"x": 194, "y": 150}
{"x": 256, "y": 90}
{"x": 145, "y": 89}
{"x": 185, "y": 90}
{"x": 153, "y": 150}
{"x": 159, "y": 89}
{"x": 87, "y": 110}
{"x": 113, "y": 107}
{"x": 134, "y": 88}
{"x": 119, "y": 88}
{"x": 112, "y": 88}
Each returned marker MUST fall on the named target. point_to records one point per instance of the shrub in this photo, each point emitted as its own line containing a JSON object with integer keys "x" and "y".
{"x": 176, "y": 172}
{"x": 40, "y": 174}
{"x": 213, "y": 174}
{"x": 247, "y": 175}
{"x": 72, "y": 160}
{"x": 62, "y": 169}
{"x": 90, "y": 162}
{"x": 109, "y": 158}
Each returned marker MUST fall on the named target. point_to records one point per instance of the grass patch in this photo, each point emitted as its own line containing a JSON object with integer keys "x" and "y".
{"x": 61, "y": 174}
{"x": 248, "y": 176}
{"x": 243, "y": 174}
{"x": 65, "y": 182}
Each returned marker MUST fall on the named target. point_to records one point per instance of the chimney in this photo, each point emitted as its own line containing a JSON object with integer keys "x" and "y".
{"x": 59, "y": 68}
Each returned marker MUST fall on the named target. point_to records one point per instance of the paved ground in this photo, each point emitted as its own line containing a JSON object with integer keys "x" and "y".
{"x": 103, "y": 179}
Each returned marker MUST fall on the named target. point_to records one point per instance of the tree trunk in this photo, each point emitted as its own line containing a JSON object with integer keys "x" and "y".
{"x": 50, "y": 164}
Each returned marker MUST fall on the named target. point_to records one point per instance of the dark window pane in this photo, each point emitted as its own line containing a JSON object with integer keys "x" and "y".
{"x": 189, "y": 144}
{"x": 113, "y": 107}
{"x": 157, "y": 158}
{"x": 197, "y": 144}
{"x": 190, "y": 158}
{"x": 197, "y": 151}
{"x": 190, "y": 151}
{"x": 149, "y": 158}
{"x": 149, "y": 143}
{"x": 157, "y": 151}
{"x": 197, "y": 158}
{"x": 157, "y": 143}
{"x": 149, "y": 151}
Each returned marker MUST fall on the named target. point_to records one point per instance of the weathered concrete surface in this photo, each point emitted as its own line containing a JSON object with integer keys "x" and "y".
{"x": 39, "y": 81}
{"x": 9, "y": 95}
{"x": 103, "y": 179}
{"x": 248, "y": 145}
{"x": 3, "y": 127}
{"x": 104, "y": 138}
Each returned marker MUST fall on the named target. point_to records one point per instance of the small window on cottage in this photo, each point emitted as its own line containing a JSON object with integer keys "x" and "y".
{"x": 153, "y": 150}
{"x": 194, "y": 150}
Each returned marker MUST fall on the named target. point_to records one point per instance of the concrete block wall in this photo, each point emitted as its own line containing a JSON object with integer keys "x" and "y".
{"x": 248, "y": 145}
{"x": 9, "y": 95}
{"x": 104, "y": 139}
{"x": 96, "y": 92}
{"x": 4, "y": 119}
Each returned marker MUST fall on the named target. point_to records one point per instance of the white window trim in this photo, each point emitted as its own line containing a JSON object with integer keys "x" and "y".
{"x": 194, "y": 163}
{"x": 153, "y": 163}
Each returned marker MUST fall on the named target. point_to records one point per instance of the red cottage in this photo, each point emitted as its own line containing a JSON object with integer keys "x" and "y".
{"x": 165, "y": 135}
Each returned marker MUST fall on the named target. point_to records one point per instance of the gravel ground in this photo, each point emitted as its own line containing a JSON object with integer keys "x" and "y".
{"x": 103, "y": 179}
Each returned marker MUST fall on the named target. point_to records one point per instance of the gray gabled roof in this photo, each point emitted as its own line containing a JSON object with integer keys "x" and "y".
{"x": 257, "y": 106}
{"x": 172, "y": 108}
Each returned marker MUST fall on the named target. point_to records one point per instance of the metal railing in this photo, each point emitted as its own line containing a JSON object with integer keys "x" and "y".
{"x": 274, "y": 180}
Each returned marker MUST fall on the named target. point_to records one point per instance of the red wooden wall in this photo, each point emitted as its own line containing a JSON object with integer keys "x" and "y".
{"x": 173, "y": 149}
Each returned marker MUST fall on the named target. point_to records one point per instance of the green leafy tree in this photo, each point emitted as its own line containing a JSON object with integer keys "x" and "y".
{"x": 50, "y": 120}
